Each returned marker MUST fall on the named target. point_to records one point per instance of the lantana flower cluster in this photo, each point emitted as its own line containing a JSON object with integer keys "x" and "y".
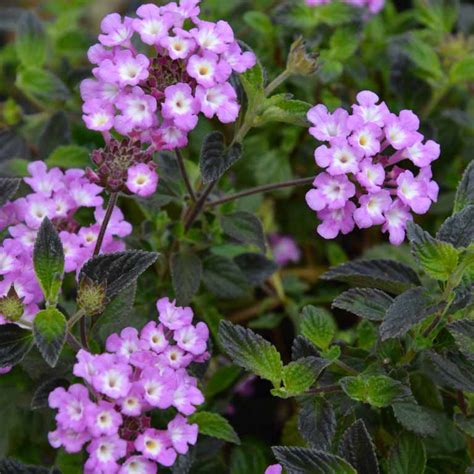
{"x": 374, "y": 6}
{"x": 140, "y": 372}
{"x": 363, "y": 182}
{"x": 152, "y": 86}
{"x": 58, "y": 196}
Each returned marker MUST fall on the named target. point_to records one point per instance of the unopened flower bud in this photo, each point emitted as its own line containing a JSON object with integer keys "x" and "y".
{"x": 300, "y": 61}
{"x": 11, "y": 306}
{"x": 91, "y": 297}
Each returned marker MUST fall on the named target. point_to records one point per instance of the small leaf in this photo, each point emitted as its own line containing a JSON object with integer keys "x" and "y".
{"x": 215, "y": 159}
{"x": 213, "y": 424}
{"x": 256, "y": 267}
{"x": 317, "y": 422}
{"x": 318, "y": 326}
{"x": 453, "y": 372}
{"x": 48, "y": 259}
{"x": 186, "y": 272}
{"x": 15, "y": 343}
{"x": 415, "y": 418}
{"x": 8, "y": 188}
{"x": 251, "y": 351}
{"x": 367, "y": 303}
{"x": 408, "y": 456}
{"x": 438, "y": 259}
{"x": 358, "y": 449}
{"x": 31, "y": 40}
{"x": 221, "y": 380}
{"x": 253, "y": 82}
{"x": 310, "y": 461}
{"x": 298, "y": 376}
{"x": 50, "y": 329}
{"x": 223, "y": 277}
{"x": 458, "y": 229}
{"x": 387, "y": 275}
{"x": 463, "y": 333}
{"x": 40, "y": 85}
{"x": 285, "y": 110}
{"x": 40, "y": 397}
{"x": 69, "y": 156}
{"x": 118, "y": 270}
{"x": 407, "y": 309}
{"x": 244, "y": 227}
{"x": 465, "y": 191}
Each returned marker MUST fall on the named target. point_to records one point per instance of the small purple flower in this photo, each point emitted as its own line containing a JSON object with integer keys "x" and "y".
{"x": 142, "y": 180}
{"x": 152, "y": 25}
{"x": 372, "y": 208}
{"x": 336, "y": 220}
{"x": 331, "y": 192}
{"x": 104, "y": 453}
{"x": 192, "y": 339}
{"x": 396, "y": 218}
{"x": 285, "y": 249}
{"x": 154, "y": 337}
{"x": 180, "y": 106}
{"x": 327, "y": 126}
{"x": 172, "y": 316}
{"x": 158, "y": 388}
{"x": 103, "y": 419}
{"x": 138, "y": 465}
{"x": 368, "y": 109}
{"x": 156, "y": 445}
{"x": 340, "y": 158}
{"x": 182, "y": 434}
{"x": 274, "y": 468}
{"x": 220, "y": 100}
{"x": 114, "y": 31}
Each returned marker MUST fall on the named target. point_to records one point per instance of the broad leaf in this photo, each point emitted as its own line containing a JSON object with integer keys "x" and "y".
{"x": 301, "y": 347}
{"x": 244, "y": 227}
{"x": 317, "y": 422}
{"x": 56, "y": 133}
{"x": 458, "y": 229}
{"x": 186, "y": 272}
{"x": 213, "y": 424}
{"x": 408, "y": 456}
{"x": 253, "y": 82}
{"x": 221, "y": 380}
{"x": 415, "y": 418}
{"x": 465, "y": 424}
{"x": 407, "y": 309}
{"x": 41, "y": 85}
{"x": 48, "y": 260}
{"x": 50, "y": 330}
{"x": 318, "y": 326}
{"x": 8, "y": 188}
{"x": 453, "y": 372}
{"x": 75, "y": 156}
{"x": 31, "y": 40}
{"x": 223, "y": 277}
{"x": 465, "y": 191}
{"x": 15, "y": 343}
{"x": 367, "y": 303}
{"x": 251, "y": 351}
{"x": 387, "y": 275}
{"x": 298, "y": 376}
{"x": 256, "y": 267}
{"x": 358, "y": 449}
{"x": 463, "y": 333}
{"x": 284, "y": 110}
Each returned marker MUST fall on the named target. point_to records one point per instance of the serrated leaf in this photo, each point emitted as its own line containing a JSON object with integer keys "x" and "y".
{"x": 463, "y": 333}
{"x": 244, "y": 227}
{"x": 70, "y": 156}
{"x": 256, "y": 267}
{"x": 387, "y": 275}
{"x": 253, "y": 82}
{"x": 286, "y": 110}
{"x": 415, "y": 418}
{"x": 30, "y": 41}
{"x": 458, "y": 229}
{"x": 213, "y": 424}
{"x": 376, "y": 390}
{"x": 358, "y": 449}
{"x": 41, "y": 85}
{"x": 15, "y": 343}
{"x": 223, "y": 277}
{"x": 426, "y": 59}
{"x": 48, "y": 260}
{"x": 248, "y": 458}
{"x": 8, "y": 188}
{"x": 301, "y": 347}
{"x": 215, "y": 158}
{"x": 465, "y": 191}
{"x": 318, "y": 326}
{"x": 367, "y": 303}
{"x": 310, "y": 461}
{"x": 298, "y": 376}
{"x": 438, "y": 259}
{"x": 50, "y": 330}
{"x": 41, "y": 394}
{"x": 251, "y": 351}
{"x": 118, "y": 270}
{"x": 408, "y": 456}
{"x": 186, "y": 273}
{"x": 407, "y": 309}
{"x": 453, "y": 372}
{"x": 317, "y": 422}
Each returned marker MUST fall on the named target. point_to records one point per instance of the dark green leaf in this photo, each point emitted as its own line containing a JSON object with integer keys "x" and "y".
{"x": 118, "y": 270}
{"x": 367, "y": 303}
{"x": 463, "y": 333}
{"x": 465, "y": 191}
{"x": 50, "y": 329}
{"x": 215, "y": 159}
{"x": 12, "y": 145}
{"x": 69, "y": 156}
{"x": 12, "y": 466}
{"x": 31, "y": 40}
{"x": 251, "y": 351}
{"x": 56, "y": 133}
{"x": 408, "y": 456}
{"x": 318, "y": 326}
{"x": 221, "y": 380}
{"x": 15, "y": 343}
{"x": 458, "y": 229}
{"x": 223, "y": 277}
{"x": 285, "y": 110}
{"x": 48, "y": 259}
{"x": 40, "y": 397}
{"x": 453, "y": 372}
{"x": 415, "y": 418}
{"x": 186, "y": 272}
{"x": 40, "y": 85}
{"x": 244, "y": 227}
{"x": 8, "y": 188}
{"x": 407, "y": 309}
{"x": 387, "y": 275}
{"x": 302, "y": 347}
{"x": 317, "y": 422}
{"x": 465, "y": 424}
{"x": 357, "y": 448}
{"x": 256, "y": 267}
{"x": 213, "y": 424}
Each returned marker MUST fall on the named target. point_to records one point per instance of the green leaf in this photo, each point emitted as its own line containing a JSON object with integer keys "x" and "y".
{"x": 48, "y": 260}
{"x": 251, "y": 351}
{"x": 343, "y": 44}
{"x": 253, "y": 82}
{"x": 367, "y": 303}
{"x": 358, "y": 449}
{"x": 298, "y": 376}
{"x": 259, "y": 21}
{"x": 463, "y": 333}
{"x": 438, "y": 259}
{"x": 221, "y": 380}
{"x": 310, "y": 461}
{"x": 463, "y": 70}
{"x": 415, "y": 418}
{"x": 465, "y": 191}
{"x": 213, "y": 424}
{"x": 30, "y": 40}
{"x": 118, "y": 270}
{"x": 223, "y": 277}
{"x": 248, "y": 458}
{"x": 458, "y": 229}
{"x": 284, "y": 110}
{"x": 40, "y": 85}
{"x": 50, "y": 329}
{"x": 407, "y": 309}
{"x": 453, "y": 372}
{"x": 8, "y": 188}
{"x": 256, "y": 267}
{"x": 244, "y": 227}
{"x": 318, "y": 326}
{"x": 69, "y": 156}
{"x": 408, "y": 456}
{"x": 376, "y": 390}
{"x": 15, "y": 343}
{"x": 387, "y": 275}
{"x": 317, "y": 422}
{"x": 186, "y": 273}
{"x": 425, "y": 59}
{"x": 215, "y": 158}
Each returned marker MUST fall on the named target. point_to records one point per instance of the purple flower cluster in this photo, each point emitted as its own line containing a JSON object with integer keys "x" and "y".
{"x": 374, "y": 6}
{"x": 285, "y": 249}
{"x": 56, "y": 195}
{"x": 141, "y": 372}
{"x": 363, "y": 183}
{"x": 156, "y": 97}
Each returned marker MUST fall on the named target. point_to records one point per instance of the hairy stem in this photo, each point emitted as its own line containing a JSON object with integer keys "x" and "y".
{"x": 184, "y": 174}
{"x": 277, "y": 82}
{"x": 326, "y": 389}
{"x": 105, "y": 223}
{"x": 198, "y": 206}
{"x": 75, "y": 318}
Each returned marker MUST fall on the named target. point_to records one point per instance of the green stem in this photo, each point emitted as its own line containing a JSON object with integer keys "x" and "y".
{"x": 184, "y": 175}
{"x": 345, "y": 367}
{"x": 198, "y": 206}
{"x": 75, "y": 318}
{"x": 277, "y": 82}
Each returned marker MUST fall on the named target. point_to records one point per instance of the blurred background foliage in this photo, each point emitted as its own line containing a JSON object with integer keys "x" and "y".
{"x": 417, "y": 55}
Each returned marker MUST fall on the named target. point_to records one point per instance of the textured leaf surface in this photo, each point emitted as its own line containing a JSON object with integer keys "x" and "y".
{"x": 318, "y": 326}
{"x": 317, "y": 422}
{"x": 299, "y": 375}
{"x": 256, "y": 267}
{"x": 453, "y": 372}
{"x": 31, "y": 40}
{"x": 408, "y": 456}
{"x": 458, "y": 229}
{"x": 286, "y": 110}
{"x": 244, "y": 227}
{"x": 463, "y": 333}
{"x": 41, "y": 85}
{"x": 465, "y": 191}
{"x": 41, "y": 394}
{"x": 186, "y": 273}
{"x": 223, "y": 277}
{"x": 215, "y": 425}
{"x": 8, "y": 188}
{"x": 15, "y": 343}
{"x": 367, "y": 303}
{"x": 415, "y": 418}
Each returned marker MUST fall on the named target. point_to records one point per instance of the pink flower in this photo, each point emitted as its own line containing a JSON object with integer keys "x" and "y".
{"x": 137, "y": 111}
{"x": 172, "y": 316}
{"x": 417, "y": 193}
{"x": 154, "y": 337}
{"x": 401, "y": 131}
{"x": 71, "y": 440}
{"x": 43, "y": 181}
{"x": 371, "y": 176}
{"x": 104, "y": 453}
{"x": 274, "y": 468}
{"x": 341, "y": 158}
{"x": 285, "y": 249}
{"x": 138, "y": 465}
{"x": 179, "y": 46}
{"x": 125, "y": 344}
{"x": 368, "y": 110}
{"x": 182, "y": 434}
{"x": 180, "y": 106}
{"x": 112, "y": 379}
{"x": 220, "y": 100}
{"x": 207, "y": 69}
{"x": 192, "y": 339}
{"x": 336, "y": 220}
{"x": 423, "y": 154}
{"x": 372, "y": 207}
{"x": 114, "y": 31}
{"x": 152, "y": 25}
{"x": 395, "y": 221}
{"x": 142, "y": 180}
{"x": 158, "y": 388}
{"x": 213, "y": 37}
{"x": 239, "y": 61}
{"x": 327, "y": 126}
{"x": 156, "y": 445}
{"x": 331, "y": 191}
{"x": 187, "y": 396}
{"x": 103, "y": 419}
